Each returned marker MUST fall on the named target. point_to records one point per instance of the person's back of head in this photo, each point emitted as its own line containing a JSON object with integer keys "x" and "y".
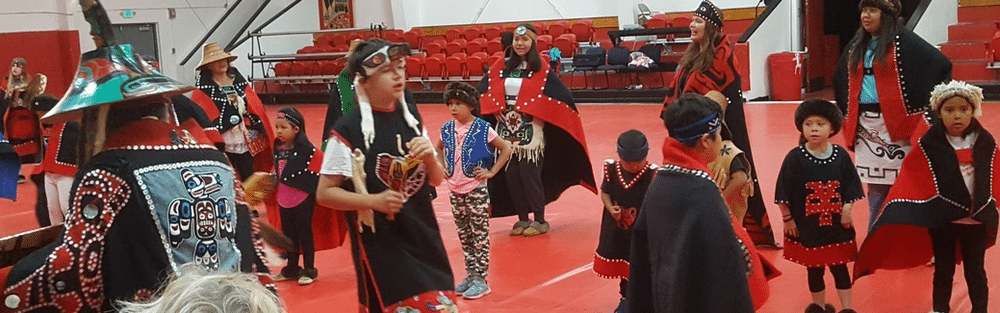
{"x": 691, "y": 116}
{"x": 193, "y": 289}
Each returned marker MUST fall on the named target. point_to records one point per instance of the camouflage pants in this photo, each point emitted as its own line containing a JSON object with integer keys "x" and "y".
{"x": 472, "y": 218}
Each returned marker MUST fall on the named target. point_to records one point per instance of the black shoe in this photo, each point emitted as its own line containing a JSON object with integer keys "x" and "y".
{"x": 847, "y": 311}
{"x": 814, "y": 308}
{"x": 288, "y": 273}
{"x": 307, "y": 276}
{"x": 21, "y": 179}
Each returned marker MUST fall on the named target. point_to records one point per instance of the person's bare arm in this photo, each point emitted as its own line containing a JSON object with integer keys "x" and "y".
{"x": 790, "y": 228}
{"x": 614, "y": 209}
{"x": 737, "y": 182}
{"x": 421, "y": 148}
{"x": 331, "y": 195}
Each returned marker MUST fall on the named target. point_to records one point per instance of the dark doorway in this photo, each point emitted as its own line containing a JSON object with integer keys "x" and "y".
{"x": 142, "y": 37}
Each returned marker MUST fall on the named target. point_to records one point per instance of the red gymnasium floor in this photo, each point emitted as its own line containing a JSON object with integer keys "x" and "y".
{"x": 552, "y": 273}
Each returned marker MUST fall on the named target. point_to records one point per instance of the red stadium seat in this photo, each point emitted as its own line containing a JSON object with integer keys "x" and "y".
{"x": 415, "y": 65}
{"x": 494, "y": 58}
{"x": 453, "y": 33}
{"x": 283, "y": 69}
{"x": 455, "y": 46}
{"x": 340, "y": 39}
{"x": 540, "y": 27}
{"x": 473, "y": 32}
{"x": 493, "y": 32}
{"x": 682, "y": 20}
{"x": 584, "y": 30}
{"x": 414, "y": 37}
{"x": 434, "y": 66}
{"x": 558, "y": 28}
{"x": 658, "y": 21}
{"x": 544, "y": 42}
{"x": 567, "y": 45}
{"x": 474, "y": 65}
{"x": 475, "y": 45}
{"x": 455, "y": 65}
{"x": 394, "y": 35}
{"x": 299, "y": 69}
{"x": 494, "y": 46}
{"x": 435, "y": 47}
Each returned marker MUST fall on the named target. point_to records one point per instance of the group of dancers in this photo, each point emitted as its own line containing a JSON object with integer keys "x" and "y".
{"x": 166, "y": 179}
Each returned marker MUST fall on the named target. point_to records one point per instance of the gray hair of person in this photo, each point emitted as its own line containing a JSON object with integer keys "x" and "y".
{"x": 194, "y": 289}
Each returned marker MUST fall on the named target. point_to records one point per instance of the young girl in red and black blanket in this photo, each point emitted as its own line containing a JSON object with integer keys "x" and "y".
{"x": 944, "y": 198}
{"x": 624, "y": 187}
{"x": 297, "y": 163}
{"x": 816, "y": 188}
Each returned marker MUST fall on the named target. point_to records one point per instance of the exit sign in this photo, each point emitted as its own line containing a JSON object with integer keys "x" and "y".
{"x": 128, "y": 13}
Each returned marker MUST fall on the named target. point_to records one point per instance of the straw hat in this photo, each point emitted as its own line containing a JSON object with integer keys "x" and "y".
{"x": 211, "y": 53}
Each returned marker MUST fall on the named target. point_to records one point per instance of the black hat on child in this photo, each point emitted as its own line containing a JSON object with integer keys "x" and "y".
{"x": 819, "y": 107}
{"x": 632, "y": 146}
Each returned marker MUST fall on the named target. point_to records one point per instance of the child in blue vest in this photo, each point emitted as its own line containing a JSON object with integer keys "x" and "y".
{"x": 468, "y": 162}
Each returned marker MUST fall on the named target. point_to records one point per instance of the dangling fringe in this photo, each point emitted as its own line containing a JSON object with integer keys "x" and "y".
{"x": 365, "y": 107}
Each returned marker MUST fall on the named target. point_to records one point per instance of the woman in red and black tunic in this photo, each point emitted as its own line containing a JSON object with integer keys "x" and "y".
{"x": 709, "y": 64}
{"x": 237, "y": 112}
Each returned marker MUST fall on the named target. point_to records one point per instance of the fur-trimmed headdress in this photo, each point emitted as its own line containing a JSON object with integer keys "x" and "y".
{"x": 956, "y": 88}
{"x": 462, "y": 92}
{"x": 819, "y": 107}
{"x": 711, "y": 13}
{"x": 892, "y": 8}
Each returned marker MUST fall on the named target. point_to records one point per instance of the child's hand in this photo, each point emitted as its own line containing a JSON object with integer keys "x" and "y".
{"x": 421, "y": 148}
{"x": 845, "y": 220}
{"x": 616, "y": 212}
{"x": 791, "y": 230}
{"x": 389, "y": 202}
{"x": 483, "y": 174}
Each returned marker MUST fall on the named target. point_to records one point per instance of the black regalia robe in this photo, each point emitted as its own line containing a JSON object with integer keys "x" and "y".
{"x": 404, "y": 257}
{"x": 724, "y": 78}
{"x": 156, "y": 197}
{"x": 815, "y": 191}
{"x": 626, "y": 190}
{"x": 566, "y": 160}
{"x": 686, "y": 254}
{"x": 929, "y": 193}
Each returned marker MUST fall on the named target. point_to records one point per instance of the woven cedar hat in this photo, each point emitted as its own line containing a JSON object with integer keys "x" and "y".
{"x": 211, "y": 53}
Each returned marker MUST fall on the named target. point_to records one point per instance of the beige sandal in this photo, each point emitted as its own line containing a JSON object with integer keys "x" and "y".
{"x": 519, "y": 228}
{"x": 536, "y": 229}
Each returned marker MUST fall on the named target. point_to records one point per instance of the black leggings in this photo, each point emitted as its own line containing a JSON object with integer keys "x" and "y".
{"x": 973, "y": 241}
{"x": 296, "y": 223}
{"x": 841, "y": 278}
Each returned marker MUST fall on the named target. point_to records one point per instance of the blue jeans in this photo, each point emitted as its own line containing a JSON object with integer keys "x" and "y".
{"x": 876, "y": 198}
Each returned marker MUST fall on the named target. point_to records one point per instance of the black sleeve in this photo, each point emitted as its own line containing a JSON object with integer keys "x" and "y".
{"x": 737, "y": 165}
{"x": 840, "y": 81}
{"x": 186, "y": 109}
{"x": 851, "y": 189}
{"x": 605, "y": 183}
{"x": 484, "y": 84}
{"x": 783, "y": 186}
{"x": 333, "y": 112}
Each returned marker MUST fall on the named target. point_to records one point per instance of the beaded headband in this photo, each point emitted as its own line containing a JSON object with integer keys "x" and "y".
{"x": 697, "y": 129}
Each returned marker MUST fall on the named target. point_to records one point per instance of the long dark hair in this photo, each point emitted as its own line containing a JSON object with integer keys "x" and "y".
{"x": 699, "y": 57}
{"x": 532, "y": 57}
{"x": 888, "y": 27}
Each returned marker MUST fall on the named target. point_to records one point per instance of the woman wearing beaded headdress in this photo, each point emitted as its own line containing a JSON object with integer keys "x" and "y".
{"x": 882, "y": 83}
{"x": 530, "y": 107}
{"x": 709, "y": 64}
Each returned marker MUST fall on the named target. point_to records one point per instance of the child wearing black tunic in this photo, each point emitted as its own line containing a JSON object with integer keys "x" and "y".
{"x": 815, "y": 190}
{"x": 624, "y": 187}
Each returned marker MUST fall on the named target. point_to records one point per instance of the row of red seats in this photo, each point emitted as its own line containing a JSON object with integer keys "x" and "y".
{"x": 582, "y": 29}
{"x": 566, "y": 43}
{"x": 308, "y": 68}
{"x": 458, "y": 64}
